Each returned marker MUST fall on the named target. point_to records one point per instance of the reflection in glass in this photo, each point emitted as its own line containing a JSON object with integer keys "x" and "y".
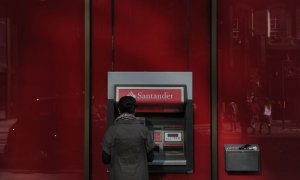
{"x": 261, "y": 64}
{"x": 259, "y": 70}
{"x": 41, "y": 89}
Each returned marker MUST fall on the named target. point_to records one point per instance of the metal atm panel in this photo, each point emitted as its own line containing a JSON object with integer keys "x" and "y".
{"x": 167, "y": 111}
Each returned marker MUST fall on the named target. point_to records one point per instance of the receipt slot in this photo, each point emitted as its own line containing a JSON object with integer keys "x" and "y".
{"x": 242, "y": 157}
{"x": 167, "y": 111}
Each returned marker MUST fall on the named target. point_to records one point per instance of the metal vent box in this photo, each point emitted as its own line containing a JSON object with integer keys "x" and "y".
{"x": 242, "y": 158}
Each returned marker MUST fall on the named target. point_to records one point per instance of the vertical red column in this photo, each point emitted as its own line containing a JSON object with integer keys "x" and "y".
{"x": 153, "y": 36}
{"x": 101, "y": 63}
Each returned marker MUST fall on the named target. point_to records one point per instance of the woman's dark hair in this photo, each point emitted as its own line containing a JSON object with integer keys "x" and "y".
{"x": 127, "y": 104}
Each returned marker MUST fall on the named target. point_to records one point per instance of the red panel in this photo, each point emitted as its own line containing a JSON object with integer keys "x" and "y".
{"x": 257, "y": 60}
{"x": 154, "y": 99}
{"x": 159, "y": 35}
{"x": 46, "y": 50}
{"x": 199, "y": 53}
{"x": 150, "y": 35}
{"x": 101, "y": 64}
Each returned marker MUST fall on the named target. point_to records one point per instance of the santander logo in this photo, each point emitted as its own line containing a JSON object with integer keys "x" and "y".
{"x": 154, "y": 99}
{"x": 131, "y": 94}
{"x": 152, "y": 96}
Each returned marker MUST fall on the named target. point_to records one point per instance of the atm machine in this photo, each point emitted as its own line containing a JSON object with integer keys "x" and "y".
{"x": 165, "y": 106}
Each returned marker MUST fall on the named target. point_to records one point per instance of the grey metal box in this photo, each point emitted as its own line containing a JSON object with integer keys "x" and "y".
{"x": 242, "y": 158}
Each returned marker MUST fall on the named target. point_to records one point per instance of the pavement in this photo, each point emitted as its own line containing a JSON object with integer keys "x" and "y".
{"x": 286, "y": 128}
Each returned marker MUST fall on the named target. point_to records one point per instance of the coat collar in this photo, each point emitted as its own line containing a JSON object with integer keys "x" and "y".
{"x": 125, "y": 118}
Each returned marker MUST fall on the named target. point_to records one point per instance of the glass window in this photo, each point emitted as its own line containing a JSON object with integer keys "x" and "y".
{"x": 259, "y": 81}
{"x": 41, "y": 94}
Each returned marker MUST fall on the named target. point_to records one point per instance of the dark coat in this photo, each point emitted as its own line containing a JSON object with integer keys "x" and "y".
{"x": 128, "y": 142}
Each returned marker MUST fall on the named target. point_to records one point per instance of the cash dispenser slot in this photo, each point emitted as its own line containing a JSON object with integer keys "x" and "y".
{"x": 178, "y": 148}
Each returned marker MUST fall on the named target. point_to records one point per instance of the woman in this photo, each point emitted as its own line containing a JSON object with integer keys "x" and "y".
{"x": 127, "y": 145}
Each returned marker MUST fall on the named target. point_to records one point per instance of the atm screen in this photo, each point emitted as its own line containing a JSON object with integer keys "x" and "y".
{"x": 173, "y": 136}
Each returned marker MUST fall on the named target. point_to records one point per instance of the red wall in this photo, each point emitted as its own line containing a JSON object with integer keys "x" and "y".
{"x": 46, "y": 50}
{"x": 44, "y": 132}
{"x": 154, "y": 36}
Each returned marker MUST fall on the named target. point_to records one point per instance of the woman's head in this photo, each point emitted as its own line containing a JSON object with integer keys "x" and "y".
{"x": 127, "y": 104}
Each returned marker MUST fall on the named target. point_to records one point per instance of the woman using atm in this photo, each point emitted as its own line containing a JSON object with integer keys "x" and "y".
{"x": 127, "y": 145}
